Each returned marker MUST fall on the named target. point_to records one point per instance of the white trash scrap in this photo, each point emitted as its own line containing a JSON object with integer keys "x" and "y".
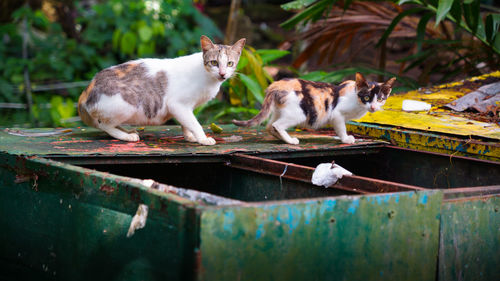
{"x": 415, "y": 105}
{"x": 139, "y": 220}
{"x": 327, "y": 174}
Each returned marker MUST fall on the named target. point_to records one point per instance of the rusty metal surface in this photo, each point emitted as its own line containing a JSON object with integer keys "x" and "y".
{"x": 429, "y": 141}
{"x": 355, "y": 184}
{"x": 166, "y": 141}
{"x": 390, "y": 236}
{"x": 470, "y": 238}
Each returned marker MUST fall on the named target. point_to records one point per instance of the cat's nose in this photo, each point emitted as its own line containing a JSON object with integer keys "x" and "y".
{"x": 373, "y": 108}
{"x": 222, "y": 74}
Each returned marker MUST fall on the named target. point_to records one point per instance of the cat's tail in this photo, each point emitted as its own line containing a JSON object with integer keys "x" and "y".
{"x": 262, "y": 115}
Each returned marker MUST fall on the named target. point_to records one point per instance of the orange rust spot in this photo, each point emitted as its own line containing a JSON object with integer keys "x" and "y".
{"x": 107, "y": 189}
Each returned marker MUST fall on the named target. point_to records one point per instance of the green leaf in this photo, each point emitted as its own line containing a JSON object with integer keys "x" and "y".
{"x": 491, "y": 26}
{"x": 496, "y": 43}
{"x": 311, "y": 13}
{"x": 269, "y": 55}
{"x": 456, "y": 11}
{"x": 127, "y": 43}
{"x": 236, "y": 110}
{"x": 401, "y": 2}
{"x": 242, "y": 63}
{"x": 116, "y": 39}
{"x": 444, "y": 7}
{"x": 146, "y": 49}
{"x": 471, "y": 15}
{"x": 297, "y": 4}
{"x": 158, "y": 28}
{"x": 314, "y": 76}
{"x": 145, "y": 33}
{"x": 421, "y": 29}
{"x": 253, "y": 86}
{"x": 395, "y": 21}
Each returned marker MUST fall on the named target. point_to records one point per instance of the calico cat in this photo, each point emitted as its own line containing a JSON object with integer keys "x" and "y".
{"x": 310, "y": 104}
{"x": 151, "y": 91}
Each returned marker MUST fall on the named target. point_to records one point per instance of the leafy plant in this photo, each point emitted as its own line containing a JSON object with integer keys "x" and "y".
{"x": 109, "y": 32}
{"x": 446, "y": 36}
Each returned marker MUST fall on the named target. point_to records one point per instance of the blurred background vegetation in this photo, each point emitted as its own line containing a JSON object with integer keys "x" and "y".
{"x": 50, "y": 49}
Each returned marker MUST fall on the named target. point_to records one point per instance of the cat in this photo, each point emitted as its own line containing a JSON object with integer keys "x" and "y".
{"x": 311, "y": 104}
{"x": 151, "y": 91}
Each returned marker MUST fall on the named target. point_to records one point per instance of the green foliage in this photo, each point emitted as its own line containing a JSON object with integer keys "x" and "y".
{"x": 340, "y": 75}
{"x": 61, "y": 109}
{"x": 452, "y": 36}
{"x": 108, "y": 33}
{"x": 453, "y": 10}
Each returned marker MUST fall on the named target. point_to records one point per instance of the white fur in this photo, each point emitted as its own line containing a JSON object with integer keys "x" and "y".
{"x": 291, "y": 114}
{"x": 189, "y": 85}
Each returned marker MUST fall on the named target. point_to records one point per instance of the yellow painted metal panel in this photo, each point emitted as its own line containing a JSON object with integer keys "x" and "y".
{"x": 437, "y": 119}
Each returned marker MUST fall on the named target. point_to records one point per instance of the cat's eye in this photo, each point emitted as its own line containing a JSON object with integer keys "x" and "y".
{"x": 214, "y": 63}
{"x": 230, "y": 64}
{"x": 366, "y": 98}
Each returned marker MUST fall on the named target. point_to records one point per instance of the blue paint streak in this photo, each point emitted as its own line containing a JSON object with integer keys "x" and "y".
{"x": 289, "y": 216}
{"x": 353, "y": 206}
{"x": 397, "y": 198}
{"x": 228, "y": 221}
{"x": 423, "y": 199}
{"x": 260, "y": 231}
{"x": 327, "y": 206}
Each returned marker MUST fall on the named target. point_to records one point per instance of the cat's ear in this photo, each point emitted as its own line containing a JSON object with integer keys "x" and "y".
{"x": 360, "y": 81}
{"x": 206, "y": 43}
{"x": 387, "y": 86}
{"x": 238, "y": 46}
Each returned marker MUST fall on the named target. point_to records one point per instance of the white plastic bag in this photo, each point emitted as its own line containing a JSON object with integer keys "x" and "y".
{"x": 327, "y": 174}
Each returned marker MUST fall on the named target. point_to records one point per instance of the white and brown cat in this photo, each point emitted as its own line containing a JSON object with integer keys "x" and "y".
{"x": 151, "y": 91}
{"x": 311, "y": 104}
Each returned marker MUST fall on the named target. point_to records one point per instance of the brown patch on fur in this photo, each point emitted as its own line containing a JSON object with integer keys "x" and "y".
{"x": 85, "y": 94}
{"x": 123, "y": 69}
{"x": 348, "y": 86}
{"x": 276, "y": 93}
{"x": 287, "y": 85}
{"x": 85, "y": 116}
{"x": 82, "y": 112}
{"x": 133, "y": 83}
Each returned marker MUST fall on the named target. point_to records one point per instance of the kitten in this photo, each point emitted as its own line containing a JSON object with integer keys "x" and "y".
{"x": 310, "y": 104}
{"x": 151, "y": 91}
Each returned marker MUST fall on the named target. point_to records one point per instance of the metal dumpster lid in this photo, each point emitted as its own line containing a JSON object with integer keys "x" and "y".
{"x": 167, "y": 141}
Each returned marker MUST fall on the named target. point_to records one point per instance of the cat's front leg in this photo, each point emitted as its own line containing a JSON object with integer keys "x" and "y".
{"x": 188, "y": 122}
{"x": 339, "y": 126}
{"x": 188, "y": 136}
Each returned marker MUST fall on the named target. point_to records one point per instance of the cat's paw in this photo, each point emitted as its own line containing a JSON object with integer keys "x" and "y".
{"x": 207, "y": 141}
{"x": 348, "y": 139}
{"x": 131, "y": 137}
{"x": 189, "y": 137}
{"x": 294, "y": 141}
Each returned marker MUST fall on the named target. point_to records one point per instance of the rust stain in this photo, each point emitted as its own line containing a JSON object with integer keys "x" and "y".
{"x": 107, "y": 189}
